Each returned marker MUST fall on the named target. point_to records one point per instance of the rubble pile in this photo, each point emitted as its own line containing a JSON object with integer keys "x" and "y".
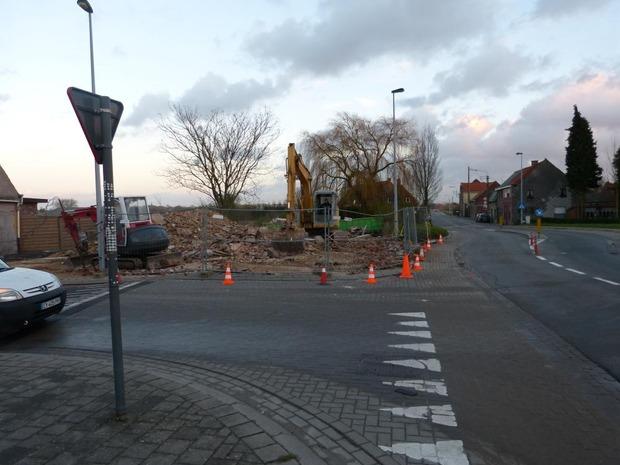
{"x": 251, "y": 247}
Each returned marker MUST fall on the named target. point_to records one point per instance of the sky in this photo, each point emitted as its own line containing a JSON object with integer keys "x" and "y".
{"x": 494, "y": 77}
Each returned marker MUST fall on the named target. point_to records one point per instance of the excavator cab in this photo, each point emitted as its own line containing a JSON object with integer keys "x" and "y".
{"x": 325, "y": 209}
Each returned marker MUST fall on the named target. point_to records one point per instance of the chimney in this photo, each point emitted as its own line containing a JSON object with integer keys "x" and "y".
{"x": 534, "y": 162}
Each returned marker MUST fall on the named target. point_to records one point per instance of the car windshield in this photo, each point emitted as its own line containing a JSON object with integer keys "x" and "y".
{"x": 4, "y": 266}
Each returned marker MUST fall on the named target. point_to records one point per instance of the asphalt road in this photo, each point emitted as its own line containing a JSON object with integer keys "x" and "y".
{"x": 573, "y": 288}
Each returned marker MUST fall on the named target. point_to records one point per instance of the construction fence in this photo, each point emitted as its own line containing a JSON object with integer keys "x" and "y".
{"x": 263, "y": 241}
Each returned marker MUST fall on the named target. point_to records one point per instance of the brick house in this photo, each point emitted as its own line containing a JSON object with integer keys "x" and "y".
{"x": 481, "y": 203}
{"x": 599, "y": 203}
{"x": 467, "y": 193}
{"x": 544, "y": 187}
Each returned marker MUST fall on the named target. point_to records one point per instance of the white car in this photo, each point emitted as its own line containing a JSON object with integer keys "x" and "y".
{"x": 27, "y": 295}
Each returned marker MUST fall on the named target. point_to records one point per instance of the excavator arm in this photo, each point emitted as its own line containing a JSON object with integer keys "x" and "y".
{"x": 295, "y": 169}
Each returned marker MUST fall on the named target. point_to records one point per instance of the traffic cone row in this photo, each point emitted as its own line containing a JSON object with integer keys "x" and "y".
{"x": 372, "y": 278}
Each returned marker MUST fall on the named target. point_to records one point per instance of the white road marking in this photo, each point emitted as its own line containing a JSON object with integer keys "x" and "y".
{"x": 556, "y": 264}
{"x": 410, "y": 315}
{"x": 424, "y": 300}
{"x": 98, "y": 296}
{"x": 417, "y": 324}
{"x": 348, "y": 287}
{"x": 432, "y": 387}
{"x": 431, "y": 364}
{"x": 421, "y": 334}
{"x": 541, "y": 258}
{"x": 441, "y": 452}
{"x": 575, "y": 271}
{"x": 424, "y": 347}
{"x": 613, "y": 283}
{"x": 438, "y": 414}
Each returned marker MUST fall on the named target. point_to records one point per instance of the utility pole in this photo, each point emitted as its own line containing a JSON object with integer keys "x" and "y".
{"x": 394, "y": 92}
{"x": 85, "y": 5}
{"x": 466, "y": 208}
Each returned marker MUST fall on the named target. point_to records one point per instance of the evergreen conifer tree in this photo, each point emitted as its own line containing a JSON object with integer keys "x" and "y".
{"x": 582, "y": 170}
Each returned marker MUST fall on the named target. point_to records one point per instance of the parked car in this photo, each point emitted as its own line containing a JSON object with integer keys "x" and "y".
{"x": 28, "y": 295}
{"x": 483, "y": 218}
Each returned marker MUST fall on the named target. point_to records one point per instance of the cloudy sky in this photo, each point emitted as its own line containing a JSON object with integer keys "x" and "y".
{"x": 494, "y": 76}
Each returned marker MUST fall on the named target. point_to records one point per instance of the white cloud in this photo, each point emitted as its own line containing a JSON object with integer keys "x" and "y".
{"x": 209, "y": 93}
{"x": 353, "y": 32}
{"x": 539, "y": 131}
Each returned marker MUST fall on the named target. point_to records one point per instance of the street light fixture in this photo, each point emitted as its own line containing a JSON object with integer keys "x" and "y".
{"x": 521, "y": 205}
{"x": 394, "y": 92}
{"x": 85, "y": 5}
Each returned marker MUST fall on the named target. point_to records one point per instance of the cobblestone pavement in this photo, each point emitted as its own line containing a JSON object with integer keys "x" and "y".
{"x": 59, "y": 411}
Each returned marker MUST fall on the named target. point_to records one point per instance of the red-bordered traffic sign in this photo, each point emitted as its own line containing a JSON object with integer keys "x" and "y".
{"x": 87, "y": 108}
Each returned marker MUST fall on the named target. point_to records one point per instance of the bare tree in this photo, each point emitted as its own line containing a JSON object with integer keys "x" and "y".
{"x": 56, "y": 205}
{"x": 421, "y": 167}
{"x": 219, "y": 154}
{"x": 353, "y": 152}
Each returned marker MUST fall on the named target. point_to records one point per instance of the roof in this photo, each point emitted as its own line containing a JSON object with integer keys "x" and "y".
{"x": 487, "y": 191}
{"x": 33, "y": 200}
{"x": 474, "y": 186}
{"x": 7, "y": 189}
{"x": 515, "y": 178}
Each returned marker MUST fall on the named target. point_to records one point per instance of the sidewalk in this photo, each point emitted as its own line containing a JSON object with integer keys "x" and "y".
{"x": 59, "y": 411}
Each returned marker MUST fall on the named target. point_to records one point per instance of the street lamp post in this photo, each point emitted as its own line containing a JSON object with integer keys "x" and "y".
{"x": 521, "y": 204}
{"x": 394, "y": 92}
{"x": 85, "y": 5}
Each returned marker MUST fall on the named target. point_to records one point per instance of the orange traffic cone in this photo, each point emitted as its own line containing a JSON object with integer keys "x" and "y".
{"x": 228, "y": 280}
{"x": 440, "y": 241}
{"x": 535, "y": 246}
{"x": 417, "y": 266}
{"x": 428, "y": 244}
{"x": 371, "y": 275}
{"x": 406, "y": 273}
{"x": 323, "y": 276}
{"x": 421, "y": 255}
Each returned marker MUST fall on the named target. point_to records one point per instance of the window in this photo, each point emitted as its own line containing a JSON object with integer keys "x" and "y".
{"x": 563, "y": 191}
{"x": 530, "y": 194}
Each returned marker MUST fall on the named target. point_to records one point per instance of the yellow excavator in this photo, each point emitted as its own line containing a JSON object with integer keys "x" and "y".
{"x": 319, "y": 210}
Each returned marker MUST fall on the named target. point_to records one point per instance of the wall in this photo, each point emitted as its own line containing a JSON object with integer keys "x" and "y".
{"x": 8, "y": 228}
{"x": 48, "y": 233}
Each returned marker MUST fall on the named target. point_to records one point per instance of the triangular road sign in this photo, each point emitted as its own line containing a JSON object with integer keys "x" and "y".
{"x": 87, "y": 107}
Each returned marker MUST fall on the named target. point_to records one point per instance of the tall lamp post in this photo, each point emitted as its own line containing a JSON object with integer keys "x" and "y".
{"x": 394, "y": 92}
{"x": 85, "y": 5}
{"x": 521, "y": 204}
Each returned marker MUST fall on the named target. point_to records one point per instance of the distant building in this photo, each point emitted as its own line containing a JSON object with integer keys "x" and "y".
{"x": 480, "y": 203}
{"x": 599, "y": 203}
{"x": 544, "y": 187}
{"x": 468, "y": 192}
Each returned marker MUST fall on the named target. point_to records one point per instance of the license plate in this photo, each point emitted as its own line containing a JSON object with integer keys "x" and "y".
{"x": 50, "y": 303}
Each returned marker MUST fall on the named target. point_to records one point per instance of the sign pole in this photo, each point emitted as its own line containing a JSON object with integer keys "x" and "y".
{"x": 111, "y": 252}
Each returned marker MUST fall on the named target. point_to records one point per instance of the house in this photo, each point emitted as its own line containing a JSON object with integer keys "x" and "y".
{"x": 468, "y": 192}
{"x": 544, "y": 188}
{"x": 374, "y": 196}
{"x": 480, "y": 203}
{"x": 9, "y": 212}
{"x": 599, "y": 203}
{"x": 13, "y": 208}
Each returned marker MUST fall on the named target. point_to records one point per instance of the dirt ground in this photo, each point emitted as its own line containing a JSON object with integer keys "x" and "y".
{"x": 264, "y": 246}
